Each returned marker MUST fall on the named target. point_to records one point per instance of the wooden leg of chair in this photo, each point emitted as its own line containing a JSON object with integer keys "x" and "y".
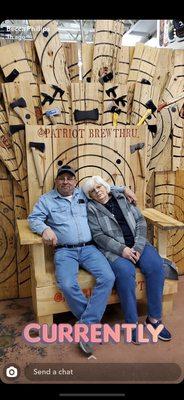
{"x": 167, "y": 305}
{"x": 45, "y": 319}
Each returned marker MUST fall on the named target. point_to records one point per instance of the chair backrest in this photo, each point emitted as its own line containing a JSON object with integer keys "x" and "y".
{"x": 118, "y": 154}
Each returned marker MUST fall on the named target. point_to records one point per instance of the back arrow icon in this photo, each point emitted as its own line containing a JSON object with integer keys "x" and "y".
{"x": 92, "y": 357}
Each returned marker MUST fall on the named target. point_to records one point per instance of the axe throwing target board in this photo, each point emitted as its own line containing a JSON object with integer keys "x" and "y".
{"x": 142, "y": 94}
{"x": 14, "y": 64}
{"x": 107, "y": 46}
{"x": 169, "y": 194}
{"x": 8, "y": 265}
{"x": 87, "y": 101}
{"x": 123, "y": 64}
{"x": 7, "y": 154}
{"x": 168, "y": 123}
{"x": 32, "y": 58}
{"x": 91, "y": 150}
{"x": 55, "y": 101}
{"x": 50, "y": 51}
{"x": 87, "y": 60}
{"x": 114, "y": 104}
{"x": 20, "y": 113}
{"x": 143, "y": 64}
{"x": 22, "y": 252}
{"x": 72, "y": 60}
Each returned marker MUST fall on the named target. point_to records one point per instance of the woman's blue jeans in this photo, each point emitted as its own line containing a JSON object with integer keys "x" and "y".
{"x": 151, "y": 265}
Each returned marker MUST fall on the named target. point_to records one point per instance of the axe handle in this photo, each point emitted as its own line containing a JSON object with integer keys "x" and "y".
{"x": 115, "y": 119}
{"x": 37, "y": 166}
{"x": 17, "y": 110}
{"x": 52, "y": 119}
{"x": 165, "y": 104}
{"x": 141, "y": 165}
{"x": 148, "y": 112}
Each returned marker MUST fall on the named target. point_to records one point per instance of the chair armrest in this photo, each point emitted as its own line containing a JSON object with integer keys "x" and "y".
{"x": 26, "y": 235}
{"x": 161, "y": 220}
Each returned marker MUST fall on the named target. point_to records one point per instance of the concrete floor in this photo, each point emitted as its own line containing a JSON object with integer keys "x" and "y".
{"x": 161, "y": 362}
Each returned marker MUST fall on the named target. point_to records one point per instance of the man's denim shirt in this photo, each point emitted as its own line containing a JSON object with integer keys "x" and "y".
{"x": 68, "y": 219}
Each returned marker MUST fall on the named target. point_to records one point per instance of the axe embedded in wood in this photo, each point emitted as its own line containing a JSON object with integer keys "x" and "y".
{"x": 34, "y": 146}
{"x": 57, "y": 90}
{"x": 12, "y": 76}
{"x": 168, "y": 103}
{"x": 151, "y": 108}
{"x": 137, "y": 147}
{"x": 46, "y": 99}
{"x": 112, "y": 107}
{"x": 16, "y": 105}
{"x": 86, "y": 115}
{"x": 105, "y": 77}
{"x": 53, "y": 113}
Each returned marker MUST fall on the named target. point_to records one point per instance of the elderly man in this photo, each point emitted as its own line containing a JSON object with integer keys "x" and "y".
{"x": 60, "y": 216}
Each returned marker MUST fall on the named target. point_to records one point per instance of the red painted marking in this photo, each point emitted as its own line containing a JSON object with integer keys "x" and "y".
{"x": 59, "y": 297}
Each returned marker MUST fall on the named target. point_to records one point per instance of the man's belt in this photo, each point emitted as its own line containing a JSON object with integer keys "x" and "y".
{"x": 72, "y": 246}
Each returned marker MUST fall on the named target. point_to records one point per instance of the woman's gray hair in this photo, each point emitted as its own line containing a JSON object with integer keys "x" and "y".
{"x": 89, "y": 185}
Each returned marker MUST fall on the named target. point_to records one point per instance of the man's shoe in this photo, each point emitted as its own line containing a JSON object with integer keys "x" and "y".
{"x": 164, "y": 334}
{"x": 134, "y": 336}
{"x": 86, "y": 347}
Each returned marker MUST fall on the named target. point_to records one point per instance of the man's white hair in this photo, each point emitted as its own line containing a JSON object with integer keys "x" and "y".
{"x": 89, "y": 184}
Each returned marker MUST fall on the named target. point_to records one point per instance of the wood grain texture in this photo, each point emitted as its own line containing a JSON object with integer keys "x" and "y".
{"x": 169, "y": 191}
{"x": 107, "y": 46}
{"x": 8, "y": 265}
{"x": 50, "y": 51}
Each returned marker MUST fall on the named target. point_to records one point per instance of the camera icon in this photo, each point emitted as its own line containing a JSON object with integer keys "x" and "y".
{"x": 11, "y": 372}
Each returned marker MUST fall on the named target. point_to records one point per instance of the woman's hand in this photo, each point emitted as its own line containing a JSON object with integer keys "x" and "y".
{"x": 136, "y": 253}
{"x": 129, "y": 254}
{"x": 131, "y": 197}
{"x": 49, "y": 238}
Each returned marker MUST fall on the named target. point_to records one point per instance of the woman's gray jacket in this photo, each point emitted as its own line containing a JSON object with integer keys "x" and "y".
{"x": 106, "y": 231}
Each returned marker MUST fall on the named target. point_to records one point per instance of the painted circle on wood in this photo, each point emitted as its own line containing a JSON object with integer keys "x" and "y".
{"x": 109, "y": 163}
{"x": 7, "y": 243}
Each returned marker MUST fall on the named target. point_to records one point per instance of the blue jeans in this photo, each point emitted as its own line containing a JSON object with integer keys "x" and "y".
{"x": 151, "y": 265}
{"x": 66, "y": 269}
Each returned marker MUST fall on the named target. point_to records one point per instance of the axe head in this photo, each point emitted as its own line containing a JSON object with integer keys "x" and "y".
{"x": 18, "y": 103}
{"x": 152, "y": 129}
{"x": 151, "y": 105}
{"x": 37, "y": 145}
{"x": 46, "y": 98}
{"x": 145, "y": 81}
{"x": 12, "y": 76}
{"x": 58, "y": 90}
{"x": 106, "y": 77}
{"x": 53, "y": 112}
{"x": 137, "y": 146}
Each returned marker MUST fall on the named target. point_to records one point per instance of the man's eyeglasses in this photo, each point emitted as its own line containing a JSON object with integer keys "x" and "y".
{"x": 67, "y": 178}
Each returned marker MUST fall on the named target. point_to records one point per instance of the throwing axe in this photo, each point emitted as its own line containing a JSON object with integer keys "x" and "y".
{"x": 53, "y": 113}
{"x": 16, "y": 105}
{"x": 168, "y": 103}
{"x": 151, "y": 108}
{"x": 137, "y": 147}
{"x": 34, "y": 146}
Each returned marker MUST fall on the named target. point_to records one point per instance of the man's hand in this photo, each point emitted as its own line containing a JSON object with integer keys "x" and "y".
{"x": 49, "y": 238}
{"x": 129, "y": 254}
{"x": 131, "y": 197}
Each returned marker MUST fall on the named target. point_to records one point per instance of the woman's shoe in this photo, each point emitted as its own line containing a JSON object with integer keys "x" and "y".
{"x": 164, "y": 334}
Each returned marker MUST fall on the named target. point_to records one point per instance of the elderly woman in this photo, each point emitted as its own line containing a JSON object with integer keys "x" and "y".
{"x": 119, "y": 230}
